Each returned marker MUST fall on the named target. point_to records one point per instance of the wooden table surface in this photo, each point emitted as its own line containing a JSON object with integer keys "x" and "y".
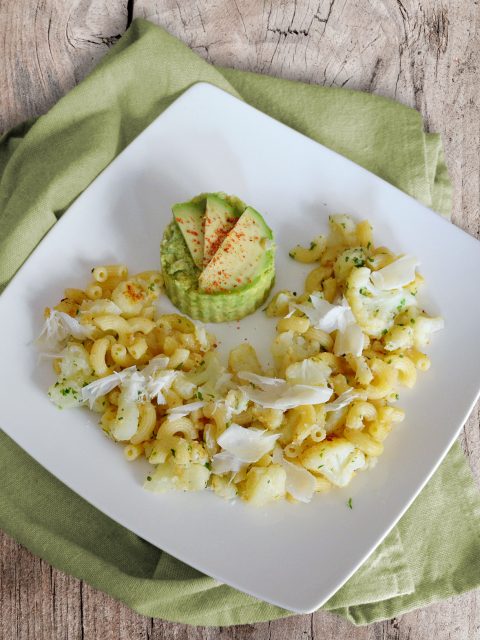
{"x": 424, "y": 53}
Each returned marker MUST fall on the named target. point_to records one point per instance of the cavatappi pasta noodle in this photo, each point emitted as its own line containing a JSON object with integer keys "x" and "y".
{"x": 342, "y": 351}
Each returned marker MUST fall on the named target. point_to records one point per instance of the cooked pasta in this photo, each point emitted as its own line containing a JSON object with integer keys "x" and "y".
{"x": 342, "y": 350}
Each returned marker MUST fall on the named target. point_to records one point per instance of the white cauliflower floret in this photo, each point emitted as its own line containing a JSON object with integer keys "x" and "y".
{"x": 373, "y": 309}
{"x": 170, "y": 477}
{"x": 66, "y": 394}
{"x": 309, "y": 371}
{"x": 295, "y": 346}
{"x": 346, "y": 261}
{"x": 264, "y": 484}
{"x": 423, "y": 329}
{"x": 75, "y": 362}
{"x": 336, "y": 459}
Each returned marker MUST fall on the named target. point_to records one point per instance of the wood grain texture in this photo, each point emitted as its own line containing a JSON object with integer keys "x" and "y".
{"x": 423, "y": 53}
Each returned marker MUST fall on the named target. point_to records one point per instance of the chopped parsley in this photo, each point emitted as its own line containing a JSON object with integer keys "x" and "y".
{"x": 412, "y": 320}
{"x": 349, "y": 503}
{"x": 291, "y": 254}
{"x": 208, "y": 465}
{"x": 313, "y": 245}
{"x": 199, "y": 395}
{"x": 173, "y": 452}
{"x": 149, "y": 478}
{"x": 179, "y": 366}
{"x": 384, "y": 332}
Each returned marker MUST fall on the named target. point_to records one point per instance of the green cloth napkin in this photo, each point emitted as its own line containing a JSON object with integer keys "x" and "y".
{"x": 434, "y": 551}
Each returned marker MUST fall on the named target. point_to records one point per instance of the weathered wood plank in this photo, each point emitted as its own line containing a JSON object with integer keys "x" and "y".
{"x": 47, "y": 47}
{"x": 423, "y": 53}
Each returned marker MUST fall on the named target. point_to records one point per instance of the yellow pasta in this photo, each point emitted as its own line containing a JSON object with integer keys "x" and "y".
{"x": 364, "y": 442}
{"x": 132, "y": 451}
{"x": 295, "y": 324}
{"x": 164, "y": 395}
{"x": 359, "y": 413}
{"x": 98, "y": 354}
{"x": 94, "y": 291}
{"x": 315, "y": 278}
{"x": 101, "y": 274}
{"x": 146, "y": 423}
{"x": 311, "y": 254}
{"x": 364, "y": 233}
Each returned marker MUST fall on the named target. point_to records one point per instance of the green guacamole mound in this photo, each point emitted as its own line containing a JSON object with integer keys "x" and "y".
{"x": 181, "y": 277}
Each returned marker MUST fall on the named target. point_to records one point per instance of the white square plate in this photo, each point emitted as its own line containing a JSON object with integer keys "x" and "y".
{"x": 295, "y": 556}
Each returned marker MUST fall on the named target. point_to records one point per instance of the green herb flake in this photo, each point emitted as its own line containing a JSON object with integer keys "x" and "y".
{"x": 173, "y": 452}
{"x": 149, "y": 478}
{"x": 199, "y": 395}
{"x": 313, "y": 245}
{"x": 412, "y": 320}
{"x": 349, "y": 503}
{"x": 208, "y": 465}
{"x": 384, "y": 332}
{"x": 179, "y": 367}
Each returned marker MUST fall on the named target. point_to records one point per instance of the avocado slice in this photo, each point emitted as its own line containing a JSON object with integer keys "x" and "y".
{"x": 241, "y": 256}
{"x": 220, "y": 218}
{"x": 189, "y": 217}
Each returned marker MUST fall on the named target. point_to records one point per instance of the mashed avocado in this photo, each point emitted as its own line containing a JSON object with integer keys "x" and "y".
{"x": 234, "y": 283}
